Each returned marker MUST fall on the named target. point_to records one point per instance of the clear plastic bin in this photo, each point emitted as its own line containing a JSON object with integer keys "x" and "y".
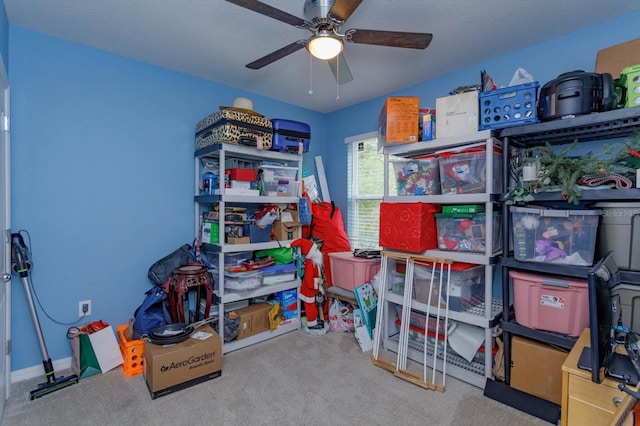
{"x": 417, "y": 176}
{"x": 280, "y": 189}
{"x": 272, "y": 173}
{"x": 465, "y": 172}
{"x": 556, "y": 236}
{"x": 465, "y": 286}
{"x": 467, "y": 232}
{"x": 239, "y": 282}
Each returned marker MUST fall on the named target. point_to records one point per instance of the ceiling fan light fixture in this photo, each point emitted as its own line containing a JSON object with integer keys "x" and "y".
{"x": 325, "y": 45}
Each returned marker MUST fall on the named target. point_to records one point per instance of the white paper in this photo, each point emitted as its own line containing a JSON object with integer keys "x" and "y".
{"x": 286, "y": 216}
{"x": 201, "y": 335}
{"x": 466, "y": 340}
{"x": 106, "y": 348}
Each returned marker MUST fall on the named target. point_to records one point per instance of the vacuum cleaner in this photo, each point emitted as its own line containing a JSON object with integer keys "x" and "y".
{"x": 21, "y": 265}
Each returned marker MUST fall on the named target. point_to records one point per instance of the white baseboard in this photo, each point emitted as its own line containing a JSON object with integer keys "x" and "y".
{"x": 38, "y": 370}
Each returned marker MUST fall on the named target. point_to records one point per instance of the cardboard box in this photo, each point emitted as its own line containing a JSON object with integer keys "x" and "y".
{"x": 399, "y": 120}
{"x": 457, "y": 114}
{"x": 289, "y": 301}
{"x": 170, "y": 368}
{"x": 427, "y": 124}
{"x": 288, "y": 226}
{"x": 536, "y": 368}
{"x": 613, "y": 59}
{"x": 238, "y": 240}
{"x": 254, "y": 319}
{"x": 210, "y": 233}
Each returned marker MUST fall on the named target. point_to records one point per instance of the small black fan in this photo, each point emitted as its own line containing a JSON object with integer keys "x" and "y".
{"x": 324, "y": 18}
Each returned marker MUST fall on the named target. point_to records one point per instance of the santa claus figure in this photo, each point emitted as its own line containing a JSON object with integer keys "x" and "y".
{"x": 311, "y": 290}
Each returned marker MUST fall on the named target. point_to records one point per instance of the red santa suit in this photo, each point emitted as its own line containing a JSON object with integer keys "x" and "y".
{"x": 311, "y": 281}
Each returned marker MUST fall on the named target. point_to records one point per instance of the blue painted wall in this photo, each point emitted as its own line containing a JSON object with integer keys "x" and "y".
{"x": 102, "y": 174}
{"x": 4, "y": 36}
{"x": 102, "y": 162}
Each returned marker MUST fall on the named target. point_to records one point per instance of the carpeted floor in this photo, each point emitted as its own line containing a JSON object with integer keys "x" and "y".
{"x": 294, "y": 379}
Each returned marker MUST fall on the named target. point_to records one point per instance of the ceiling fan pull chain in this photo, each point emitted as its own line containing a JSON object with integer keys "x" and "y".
{"x": 310, "y": 71}
{"x": 337, "y": 79}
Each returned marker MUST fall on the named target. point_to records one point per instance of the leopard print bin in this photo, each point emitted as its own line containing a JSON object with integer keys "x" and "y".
{"x": 236, "y": 127}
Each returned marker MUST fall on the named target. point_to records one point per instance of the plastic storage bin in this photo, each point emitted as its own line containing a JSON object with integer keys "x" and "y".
{"x": 132, "y": 353}
{"x": 239, "y": 282}
{"x": 630, "y": 79}
{"x": 417, "y": 326}
{"x": 556, "y": 236}
{"x": 509, "y": 106}
{"x": 465, "y": 172}
{"x": 277, "y": 274}
{"x": 230, "y": 259}
{"x": 235, "y": 259}
{"x": 417, "y": 176}
{"x": 272, "y": 173}
{"x": 280, "y": 188}
{"x": 466, "y": 285}
{"x": 619, "y": 231}
{"x": 467, "y": 231}
{"x": 349, "y": 271}
{"x": 396, "y": 282}
{"x": 552, "y": 304}
{"x": 257, "y": 234}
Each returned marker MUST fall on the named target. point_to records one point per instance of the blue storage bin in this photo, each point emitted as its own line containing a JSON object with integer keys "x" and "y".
{"x": 257, "y": 234}
{"x": 509, "y": 106}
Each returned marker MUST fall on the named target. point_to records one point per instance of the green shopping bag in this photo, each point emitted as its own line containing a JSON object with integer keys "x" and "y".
{"x": 282, "y": 255}
{"x": 84, "y": 362}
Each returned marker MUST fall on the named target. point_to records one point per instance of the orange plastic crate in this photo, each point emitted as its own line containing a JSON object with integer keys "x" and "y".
{"x": 132, "y": 353}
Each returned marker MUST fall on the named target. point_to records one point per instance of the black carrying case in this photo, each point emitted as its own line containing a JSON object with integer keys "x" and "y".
{"x": 576, "y": 93}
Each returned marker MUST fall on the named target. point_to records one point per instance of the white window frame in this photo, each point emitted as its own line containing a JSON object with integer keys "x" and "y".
{"x": 353, "y": 221}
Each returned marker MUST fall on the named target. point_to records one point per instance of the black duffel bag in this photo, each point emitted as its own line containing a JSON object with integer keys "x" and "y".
{"x": 161, "y": 270}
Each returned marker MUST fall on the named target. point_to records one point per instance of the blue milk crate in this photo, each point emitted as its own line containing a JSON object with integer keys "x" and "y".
{"x": 509, "y": 106}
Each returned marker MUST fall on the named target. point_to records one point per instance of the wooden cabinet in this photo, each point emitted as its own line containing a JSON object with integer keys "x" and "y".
{"x": 585, "y": 402}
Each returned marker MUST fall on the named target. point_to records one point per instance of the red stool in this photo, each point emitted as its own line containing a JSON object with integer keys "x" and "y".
{"x": 190, "y": 278}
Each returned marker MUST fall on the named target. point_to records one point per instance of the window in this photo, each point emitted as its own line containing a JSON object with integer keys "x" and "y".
{"x": 365, "y": 189}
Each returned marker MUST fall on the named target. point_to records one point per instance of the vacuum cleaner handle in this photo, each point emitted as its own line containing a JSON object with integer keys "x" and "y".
{"x": 19, "y": 259}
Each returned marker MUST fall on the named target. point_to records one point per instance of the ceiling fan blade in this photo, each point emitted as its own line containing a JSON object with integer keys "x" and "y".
{"x": 340, "y": 69}
{"x": 271, "y": 12}
{"x": 342, "y": 9}
{"x": 278, "y": 54}
{"x": 390, "y": 38}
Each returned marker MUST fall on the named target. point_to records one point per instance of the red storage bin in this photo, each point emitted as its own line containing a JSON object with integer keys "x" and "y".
{"x": 408, "y": 226}
{"x": 553, "y": 304}
{"x": 246, "y": 175}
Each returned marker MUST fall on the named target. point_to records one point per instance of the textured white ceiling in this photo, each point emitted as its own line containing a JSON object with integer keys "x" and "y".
{"x": 214, "y": 39}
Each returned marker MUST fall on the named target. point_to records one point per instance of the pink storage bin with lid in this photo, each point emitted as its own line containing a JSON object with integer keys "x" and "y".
{"x": 349, "y": 271}
{"x": 556, "y": 304}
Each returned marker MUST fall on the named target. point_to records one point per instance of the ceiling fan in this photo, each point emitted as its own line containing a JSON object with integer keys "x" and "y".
{"x": 324, "y": 18}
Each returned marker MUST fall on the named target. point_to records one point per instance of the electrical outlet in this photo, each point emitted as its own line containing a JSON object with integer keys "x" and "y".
{"x": 84, "y": 308}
